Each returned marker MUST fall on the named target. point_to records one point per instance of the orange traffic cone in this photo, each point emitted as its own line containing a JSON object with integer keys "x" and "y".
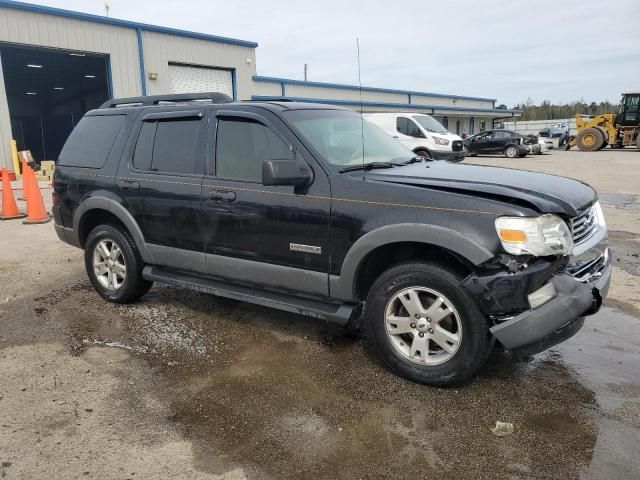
{"x": 36, "y": 212}
{"x": 9, "y": 207}
{"x": 25, "y": 193}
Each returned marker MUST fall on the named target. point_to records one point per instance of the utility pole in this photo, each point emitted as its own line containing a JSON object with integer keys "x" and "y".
{"x": 306, "y": 70}
{"x": 106, "y": 8}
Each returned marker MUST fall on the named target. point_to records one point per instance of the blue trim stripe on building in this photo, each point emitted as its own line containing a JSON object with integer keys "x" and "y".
{"x": 288, "y": 81}
{"x": 143, "y": 77}
{"x": 107, "y": 62}
{"x": 122, "y": 23}
{"x": 413, "y": 106}
{"x": 234, "y": 84}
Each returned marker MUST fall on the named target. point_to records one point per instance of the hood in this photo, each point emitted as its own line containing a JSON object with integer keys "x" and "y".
{"x": 447, "y": 135}
{"x": 545, "y": 193}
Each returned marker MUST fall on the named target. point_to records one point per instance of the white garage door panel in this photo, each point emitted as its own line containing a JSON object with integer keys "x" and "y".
{"x": 185, "y": 79}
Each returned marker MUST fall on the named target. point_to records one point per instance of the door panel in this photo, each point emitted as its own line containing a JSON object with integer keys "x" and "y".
{"x": 269, "y": 226}
{"x": 484, "y": 143}
{"x": 161, "y": 183}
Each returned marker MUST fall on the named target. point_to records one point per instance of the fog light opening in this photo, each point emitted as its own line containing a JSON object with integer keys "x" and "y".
{"x": 542, "y": 295}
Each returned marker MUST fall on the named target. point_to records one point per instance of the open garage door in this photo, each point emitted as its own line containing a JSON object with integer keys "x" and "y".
{"x": 192, "y": 79}
{"x": 48, "y": 92}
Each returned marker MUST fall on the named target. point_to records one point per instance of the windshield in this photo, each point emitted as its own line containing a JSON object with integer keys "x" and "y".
{"x": 430, "y": 124}
{"x": 338, "y": 136}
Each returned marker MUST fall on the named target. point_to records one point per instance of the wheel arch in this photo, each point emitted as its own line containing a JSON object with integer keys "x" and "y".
{"x": 422, "y": 149}
{"x": 104, "y": 208}
{"x": 424, "y": 239}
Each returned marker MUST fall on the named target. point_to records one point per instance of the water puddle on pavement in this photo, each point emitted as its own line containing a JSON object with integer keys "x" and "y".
{"x": 284, "y": 396}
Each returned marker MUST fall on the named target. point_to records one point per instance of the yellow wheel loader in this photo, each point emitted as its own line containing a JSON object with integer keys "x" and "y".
{"x": 617, "y": 130}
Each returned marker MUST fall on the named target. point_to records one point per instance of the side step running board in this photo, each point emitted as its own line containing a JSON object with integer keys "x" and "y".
{"x": 337, "y": 313}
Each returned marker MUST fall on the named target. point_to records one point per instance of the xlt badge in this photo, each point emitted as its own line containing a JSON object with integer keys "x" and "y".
{"x": 298, "y": 247}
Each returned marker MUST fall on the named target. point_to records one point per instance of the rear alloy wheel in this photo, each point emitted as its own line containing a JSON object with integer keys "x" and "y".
{"x": 424, "y": 327}
{"x": 114, "y": 265}
{"x": 590, "y": 140}
{"x": 511, "y": 152}
{"x": 109, "y": 264}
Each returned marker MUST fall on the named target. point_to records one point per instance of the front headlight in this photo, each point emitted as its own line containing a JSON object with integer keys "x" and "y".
{"x": 540, "y": 236}
{"x": 597, "y": 210}
{"x": 440, "y": 140}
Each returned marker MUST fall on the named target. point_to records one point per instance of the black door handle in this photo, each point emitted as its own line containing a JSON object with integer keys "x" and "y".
{"x": 222, "y": 195}
{"x": 128, "y": 184}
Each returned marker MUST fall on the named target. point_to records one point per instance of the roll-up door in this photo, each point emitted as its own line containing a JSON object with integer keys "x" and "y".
{"x": 190, "y": 79}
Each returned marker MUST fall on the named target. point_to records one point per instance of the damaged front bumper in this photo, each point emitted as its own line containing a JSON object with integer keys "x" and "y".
{"x": 539, "y": 302}
{"x": 561, "y": 317}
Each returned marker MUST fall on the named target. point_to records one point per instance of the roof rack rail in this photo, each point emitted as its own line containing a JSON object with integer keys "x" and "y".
{"x": 271, "y": 99}
{"x": 150, "y": 100}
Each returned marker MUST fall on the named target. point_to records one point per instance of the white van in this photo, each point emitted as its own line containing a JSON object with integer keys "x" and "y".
{"x": 421, "y": 133}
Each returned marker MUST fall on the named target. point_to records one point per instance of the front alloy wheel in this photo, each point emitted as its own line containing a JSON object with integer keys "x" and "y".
{"x": 423, "y": 326}
{"x": 511, "y": 152}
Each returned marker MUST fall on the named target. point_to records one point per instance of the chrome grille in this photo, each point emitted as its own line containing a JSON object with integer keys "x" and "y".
{"x": 590, "y": 269}
{"x": 583, "y": 225}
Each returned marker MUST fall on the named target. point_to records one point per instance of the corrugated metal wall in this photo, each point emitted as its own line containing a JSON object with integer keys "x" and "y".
{"x": 121, "y": 44}
{"x": 36, "y": 29}
{"x": 161, "y": 49}
{"x": 65, "y": 33}
{"x": 300, "y": 90}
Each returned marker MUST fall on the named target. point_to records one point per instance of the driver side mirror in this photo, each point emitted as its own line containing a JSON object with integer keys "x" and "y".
{"x": 473, "y": 139}
{"x": 284, "y": 172}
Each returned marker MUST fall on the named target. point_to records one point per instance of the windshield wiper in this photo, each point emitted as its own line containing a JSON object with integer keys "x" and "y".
{"x": 416, "y": 159}
{"x": 368, "y": 166}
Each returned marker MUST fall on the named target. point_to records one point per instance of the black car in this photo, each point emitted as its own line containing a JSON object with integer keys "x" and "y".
{"x": 305, "y": 208}
{"x": 496, "y": 142}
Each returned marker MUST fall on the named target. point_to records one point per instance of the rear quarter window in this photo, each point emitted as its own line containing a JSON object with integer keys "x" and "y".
{"x": 91, "y": 141}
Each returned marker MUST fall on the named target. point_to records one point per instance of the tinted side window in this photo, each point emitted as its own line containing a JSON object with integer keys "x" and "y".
{"x": 143, "y": 153}
{"x": 168, "y": 145}
{"x": 242, "y": 146}
{"x": 176, "y": 145}
{"x": 501, "y": 135}
{"x": 91, "y": 141}
{"x": 402, "y": 125}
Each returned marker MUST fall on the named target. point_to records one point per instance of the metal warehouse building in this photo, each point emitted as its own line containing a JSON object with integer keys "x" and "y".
{"x": 58, "y": 64}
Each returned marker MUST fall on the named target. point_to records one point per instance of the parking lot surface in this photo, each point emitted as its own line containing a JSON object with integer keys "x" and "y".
{"x": 187, "y": 385}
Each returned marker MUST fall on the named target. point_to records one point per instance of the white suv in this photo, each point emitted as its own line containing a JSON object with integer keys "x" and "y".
{"x": 421, "y": 133}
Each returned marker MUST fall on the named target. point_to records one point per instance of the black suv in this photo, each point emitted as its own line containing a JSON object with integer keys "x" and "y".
{"x": 309, "y": 209}
{"x": 496, "y": 142}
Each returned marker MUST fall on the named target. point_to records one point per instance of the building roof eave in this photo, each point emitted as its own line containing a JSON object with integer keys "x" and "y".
{"x": 399, "y": 106}
{"x": 59, "y": 12}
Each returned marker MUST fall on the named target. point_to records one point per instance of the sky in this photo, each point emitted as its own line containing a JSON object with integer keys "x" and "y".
{"x": 510, "y": 50}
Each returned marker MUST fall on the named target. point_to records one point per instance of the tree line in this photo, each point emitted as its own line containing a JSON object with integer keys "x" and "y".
{"x": 550, "y": 111}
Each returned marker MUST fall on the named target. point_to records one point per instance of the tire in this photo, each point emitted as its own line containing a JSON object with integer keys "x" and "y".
{"x": 511, "y": 152}
{"x": 423, "y": 153}
{"x": 441, "y": 368}
{"x": 467, "y": 153}
{"x": 590, "y": 140}
{"x": 116, "y": 284}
